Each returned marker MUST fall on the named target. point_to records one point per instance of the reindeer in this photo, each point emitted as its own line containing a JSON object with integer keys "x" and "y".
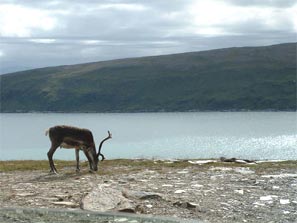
{"x": 72, "y": 137}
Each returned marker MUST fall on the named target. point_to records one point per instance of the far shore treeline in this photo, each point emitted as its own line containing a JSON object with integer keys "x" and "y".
{"x": 232, "y": 79}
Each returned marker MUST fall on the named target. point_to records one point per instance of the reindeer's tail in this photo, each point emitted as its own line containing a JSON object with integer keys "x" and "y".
{"x": 46, "y": 132}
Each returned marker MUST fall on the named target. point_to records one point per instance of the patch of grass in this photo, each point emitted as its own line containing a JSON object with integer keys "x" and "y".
{"x": 144, "y": 163}
{"x": 25, "y": 165}
{"x": 105, "y": 166}
{"x": 108, "y": 167}
{"x": 225, "y": 164}
{"x": 271, "y": 166}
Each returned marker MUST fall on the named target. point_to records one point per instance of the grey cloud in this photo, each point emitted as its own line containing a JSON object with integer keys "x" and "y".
{"x": 270, "y": 3}
{"x": 124, "y": 33}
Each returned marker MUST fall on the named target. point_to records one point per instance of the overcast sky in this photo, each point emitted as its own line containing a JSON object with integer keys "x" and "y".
{"x": 39, "y": 33}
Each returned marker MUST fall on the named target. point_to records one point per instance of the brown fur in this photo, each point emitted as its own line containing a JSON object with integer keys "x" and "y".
{"x": 73, "y": 137}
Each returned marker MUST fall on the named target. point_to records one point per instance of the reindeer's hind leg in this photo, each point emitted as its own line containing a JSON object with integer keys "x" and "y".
{"x": 50, "y": 157}
{"x": 77, "y": 159}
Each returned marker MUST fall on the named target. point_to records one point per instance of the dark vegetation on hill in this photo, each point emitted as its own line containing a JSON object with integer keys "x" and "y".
{"x": 245, "y": 78}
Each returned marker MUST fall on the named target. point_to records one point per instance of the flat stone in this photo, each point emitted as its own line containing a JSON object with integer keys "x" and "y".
{"x": 25, "y": 194}
{"x": 201, "y": 162}
{"x": 142, "y": 195}
{"x": 121, "y": 219}
{"x": 267, "y": 198}
{"x": 239, "y": 191}
{"x": 284, "y": 175}
{"x": 284, "y": 201}
{"x": 65, "y": 203}
{"x": 191, "y": 205}
{"x": 258, "y": 204}
{"x": 179, "y": 191}
{"x": 106, "y": 199}
{"x": 185, "y": 204}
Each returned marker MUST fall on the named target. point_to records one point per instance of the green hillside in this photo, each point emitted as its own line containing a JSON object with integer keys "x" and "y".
{"x": 245, "y": 78}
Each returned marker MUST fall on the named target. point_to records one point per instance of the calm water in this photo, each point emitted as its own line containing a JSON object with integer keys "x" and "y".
{"x": 251, "y": 135}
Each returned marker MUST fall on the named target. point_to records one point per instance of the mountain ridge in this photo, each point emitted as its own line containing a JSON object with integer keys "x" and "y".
{"x": 131, "y": 58}
{"x": 237, "y": 78}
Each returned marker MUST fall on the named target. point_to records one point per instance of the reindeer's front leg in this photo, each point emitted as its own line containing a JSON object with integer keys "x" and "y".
{"x": 50, "y": 157}
{"x": 77, "y": 159}
{"x": 88, "y": 157}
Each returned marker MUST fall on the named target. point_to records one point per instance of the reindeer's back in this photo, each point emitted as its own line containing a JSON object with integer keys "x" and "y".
{"x": 60, "y": 132}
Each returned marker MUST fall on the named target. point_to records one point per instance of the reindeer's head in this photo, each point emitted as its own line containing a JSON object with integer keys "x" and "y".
{"x": 94, "y": 158}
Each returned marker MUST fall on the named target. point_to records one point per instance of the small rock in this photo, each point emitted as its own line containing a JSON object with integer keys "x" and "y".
{"x": 180, "y": 183}
{"x": 127, "y": 210}
{"x": 178, "y": 203}
{"x": 266, "y": 198}
{"x": 185, "y": 204}
{"x": 284, "y": 201}
{"x": 25, "y": 194}
{"x": 258, "y": 204}
{"x": 49, "y": 198}
{"x": 142, "y": 195}
{"x": 149, "y": 206}
{"x": 239, "y": 191}
{"x": 130, "y": 179}
{"x": 61, "y": 196}
{"x": 121, "y": 219}
{"x": 201, "y": 162}
{"x": 66, "y": 203}
{"x": 179, "y": 191}
{"x": 191, "y": 205}
{"x": 122, "y": 182}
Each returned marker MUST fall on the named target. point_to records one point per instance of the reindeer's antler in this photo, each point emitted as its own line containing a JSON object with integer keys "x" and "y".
{"x": 100, "y": 146}
{"x": 109, "y": 135}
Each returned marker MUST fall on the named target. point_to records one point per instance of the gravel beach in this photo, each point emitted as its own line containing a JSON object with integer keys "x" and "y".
{"x": 206, "y": 191}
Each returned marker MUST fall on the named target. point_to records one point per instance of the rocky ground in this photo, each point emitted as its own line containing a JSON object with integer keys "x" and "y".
{"x": 210, "y": 192}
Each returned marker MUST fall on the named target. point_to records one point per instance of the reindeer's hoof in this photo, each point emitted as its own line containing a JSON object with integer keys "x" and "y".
{"x": 53, "y": 172}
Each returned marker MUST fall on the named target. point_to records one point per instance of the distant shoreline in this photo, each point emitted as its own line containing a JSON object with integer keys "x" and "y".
{"x": 132, "y": 112}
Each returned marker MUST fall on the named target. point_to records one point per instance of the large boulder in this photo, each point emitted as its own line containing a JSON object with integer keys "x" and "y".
{"x": 103, "y": 198}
